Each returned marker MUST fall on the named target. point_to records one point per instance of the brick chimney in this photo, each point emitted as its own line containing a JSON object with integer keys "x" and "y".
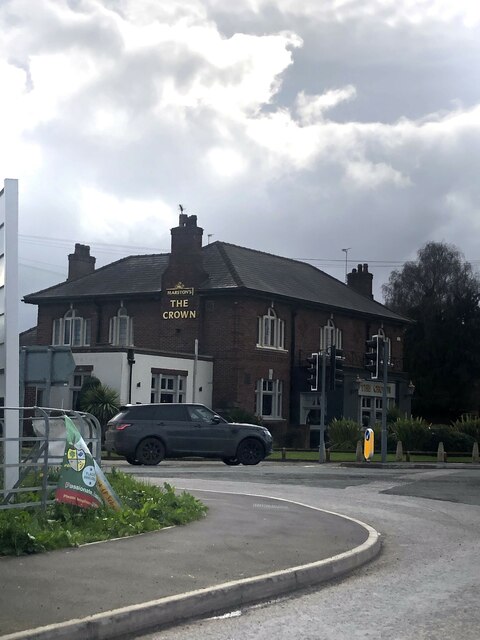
{"x": 186, "y": 260}
{"x": 360, "y": 279}
{"x": 80, "y": 263}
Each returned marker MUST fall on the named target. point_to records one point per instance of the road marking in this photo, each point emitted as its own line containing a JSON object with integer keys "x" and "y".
{"x": 270, "y": 506}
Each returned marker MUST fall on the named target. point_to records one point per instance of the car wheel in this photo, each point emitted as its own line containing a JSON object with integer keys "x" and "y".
{"x": 132, "y": 460}
{"x": 150, "y": 451}
{"x": 231, "y": 462}
{"x": 250, "y": 451}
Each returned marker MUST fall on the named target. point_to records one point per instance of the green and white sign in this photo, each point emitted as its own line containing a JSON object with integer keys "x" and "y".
{"x": 82, "y": 482}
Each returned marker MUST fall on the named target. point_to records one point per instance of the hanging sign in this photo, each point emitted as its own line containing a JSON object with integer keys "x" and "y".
{"x": 179, "y": 303}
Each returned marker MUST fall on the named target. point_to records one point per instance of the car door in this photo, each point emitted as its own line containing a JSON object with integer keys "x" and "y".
{"x": 213, "y": 436}
{"x": 174, "y": 425}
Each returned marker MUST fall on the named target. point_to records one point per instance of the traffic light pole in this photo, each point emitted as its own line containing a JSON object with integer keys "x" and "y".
{"x": 321, "y": 446}
{"x": 384, "y": 402}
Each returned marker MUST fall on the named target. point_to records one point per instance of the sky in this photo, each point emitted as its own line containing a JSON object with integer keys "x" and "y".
{"x": 297, "y": 127}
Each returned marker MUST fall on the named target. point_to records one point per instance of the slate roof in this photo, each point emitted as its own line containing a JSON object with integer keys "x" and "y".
{"x": 230, "y": 267}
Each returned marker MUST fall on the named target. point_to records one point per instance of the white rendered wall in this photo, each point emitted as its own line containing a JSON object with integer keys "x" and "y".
{"x": 113, "y": 370}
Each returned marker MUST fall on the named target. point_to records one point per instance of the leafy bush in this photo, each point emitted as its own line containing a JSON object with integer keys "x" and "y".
{"x": 414, "y": 433}
{"x": 394, "y": 414}
{"x": 469, "y": 425}
{"x": 452, "y": 440}
{"x": 344, "y": 434}
{"x": 236, "y": 414}
{"x": 145, "y": 508}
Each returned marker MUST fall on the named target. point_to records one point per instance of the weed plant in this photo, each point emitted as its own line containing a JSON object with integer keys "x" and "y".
{"x": 146, "y": 508}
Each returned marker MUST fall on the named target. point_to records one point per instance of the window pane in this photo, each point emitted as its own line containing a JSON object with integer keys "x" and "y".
{"x": 57, "y": 326}
{"x": 77, "y": 332}
{"x": 266, "y": 331}
{"x": 87, "y": 325}
{"x": 67, "y": 329}
{"x": 122, "y": 330}
{"x": 171, "y": 413}
{"x": 267, "y": 405}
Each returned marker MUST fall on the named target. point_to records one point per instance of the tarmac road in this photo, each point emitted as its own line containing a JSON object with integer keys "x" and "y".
{"x": 248, "y": 546}
{"x": 425, "y": 584}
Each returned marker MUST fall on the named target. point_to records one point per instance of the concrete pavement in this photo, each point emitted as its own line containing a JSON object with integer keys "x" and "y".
{"x": 249, "y": 548}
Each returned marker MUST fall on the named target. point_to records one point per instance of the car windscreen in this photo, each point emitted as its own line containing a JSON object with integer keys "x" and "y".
{"x": 200, "y": 413}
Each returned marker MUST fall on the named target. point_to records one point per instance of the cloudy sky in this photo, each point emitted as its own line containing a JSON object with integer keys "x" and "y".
{"x": 297, "y": 127}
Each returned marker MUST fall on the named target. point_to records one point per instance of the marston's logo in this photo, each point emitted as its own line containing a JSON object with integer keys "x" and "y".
{"x": 180, "y": 290}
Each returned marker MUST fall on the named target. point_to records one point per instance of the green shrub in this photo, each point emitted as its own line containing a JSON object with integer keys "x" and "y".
{"x": 236, "y": 414}
{"x": 469, "y": 425}
{"x": 145, "y": 508}
{"x": 344, "y": 434}
{"x": 452, "y": 440}
{"x": 414, "y": 433}
{"x": 394, "y": 414}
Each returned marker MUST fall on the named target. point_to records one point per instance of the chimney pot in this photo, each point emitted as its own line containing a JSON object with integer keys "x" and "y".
{"x": 361, "y": 280}
{"x": 80, "y": 263}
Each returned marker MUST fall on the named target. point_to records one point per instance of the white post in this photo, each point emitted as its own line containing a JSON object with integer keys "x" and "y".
{"x": 9, "y": 345}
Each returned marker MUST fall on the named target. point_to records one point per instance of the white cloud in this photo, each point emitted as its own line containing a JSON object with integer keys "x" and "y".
{"x": 312, "y": 108}
{"x": 308, "y": 122}
{"x": 113, "y": 219}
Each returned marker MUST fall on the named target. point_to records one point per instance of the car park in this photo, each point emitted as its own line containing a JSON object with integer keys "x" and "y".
{"x": 148, "y": 433}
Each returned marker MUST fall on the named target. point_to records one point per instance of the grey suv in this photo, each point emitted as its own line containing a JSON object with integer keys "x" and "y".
{"x": 148, "y": 433}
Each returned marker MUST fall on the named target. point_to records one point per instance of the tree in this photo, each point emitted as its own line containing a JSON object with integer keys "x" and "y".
{"x": 440, "y": 293}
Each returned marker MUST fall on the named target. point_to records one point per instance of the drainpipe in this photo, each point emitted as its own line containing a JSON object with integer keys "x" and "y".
{"x": 131, "y": 362}
{"x": 195, "y": 362}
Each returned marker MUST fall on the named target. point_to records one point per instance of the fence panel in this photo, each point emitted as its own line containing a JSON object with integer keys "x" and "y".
{"x": 41, "y": 445}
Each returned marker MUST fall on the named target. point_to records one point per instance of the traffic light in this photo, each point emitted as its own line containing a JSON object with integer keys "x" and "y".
{"x": 373, "y": 356}
{"x": 312, "y": 371}
{"x": 336, "y": 367}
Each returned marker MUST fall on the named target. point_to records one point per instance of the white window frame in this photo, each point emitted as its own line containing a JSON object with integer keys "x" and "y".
{"x": 120, "y": 330}
{"x": 271, "y": 331}
{"x": 168, "y": 384}
{"x": 71, "y": 330}
{"x": 330, "y": 336}
{"x": 273, "y": 388}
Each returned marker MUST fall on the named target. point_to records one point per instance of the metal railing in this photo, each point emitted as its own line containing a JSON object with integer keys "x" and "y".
{"x": 41, "y": 445}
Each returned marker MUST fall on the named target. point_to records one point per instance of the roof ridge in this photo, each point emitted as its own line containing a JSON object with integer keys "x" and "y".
{"x": 233, "y": 272}
{"x": 351, "y": 290}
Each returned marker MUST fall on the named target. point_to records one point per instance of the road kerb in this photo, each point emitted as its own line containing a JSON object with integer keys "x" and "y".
{"x": 142, "y": 618}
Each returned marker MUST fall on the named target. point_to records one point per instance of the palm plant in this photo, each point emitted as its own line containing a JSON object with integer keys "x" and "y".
{"x": 101, "y": 401}
{"x": 344, "y": 434}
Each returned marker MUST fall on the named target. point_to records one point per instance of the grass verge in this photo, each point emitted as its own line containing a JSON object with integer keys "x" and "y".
{"x": 145, "y": 508}
{"x": 346, "y": 456}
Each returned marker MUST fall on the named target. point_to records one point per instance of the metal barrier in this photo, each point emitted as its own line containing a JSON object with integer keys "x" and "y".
{"x": 41, "y": 446}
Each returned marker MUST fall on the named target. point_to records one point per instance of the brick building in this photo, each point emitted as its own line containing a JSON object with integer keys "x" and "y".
{"x": 224, "y": 325}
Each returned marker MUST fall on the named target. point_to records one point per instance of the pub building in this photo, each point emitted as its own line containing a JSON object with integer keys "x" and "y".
{"x": 223, "y": 325}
